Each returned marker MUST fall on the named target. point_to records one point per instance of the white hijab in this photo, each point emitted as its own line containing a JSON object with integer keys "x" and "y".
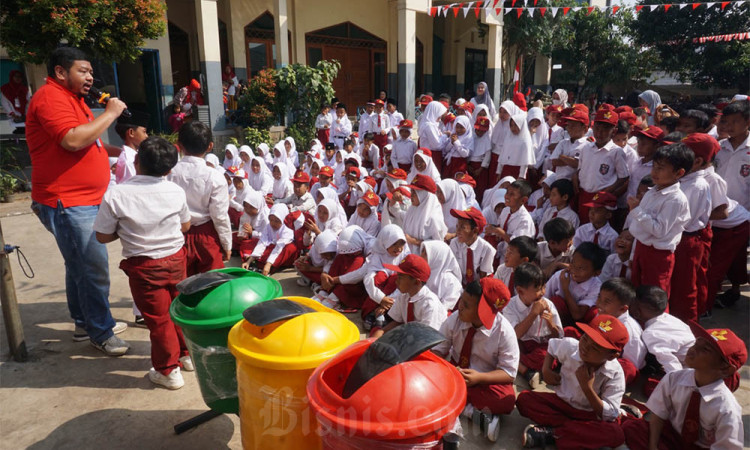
{"x": 265, "y": 153}
{"x": 256, "y": 200}
{"x": 443, "y": 263}
{"x": 497, "y": 197}
{"x": 454, "y": 199}
{"x": 292, "y": 155}
{"x": 430, "y": 169}
{"x": 475, "y": 115}
{"x": 518, "y": 150}
{"x": 213, "y": 159}
{"x": 325, "y": 242}
{"x": 282, "y": 158}
{"x": 271, "y": 236}
{"x": 263, "y": 180}
{"x": 502, "y": 129}
{"x": 283, "y": 185}
{"x": 653, "y": 100}
{"x": 425, "y": 221}
{"x": 354, "y": 239}
{"x": 233, "y": 161}
{"x": 249, "y": 152}
{"x": 539, "y": 138}
{"x": 329, "y": 193}
{"x": 371, "y": 224}
{"x": 563, "y": 94}
{"x": 334, "y": 223}
{"x": 389, "y": 235}
{"x": 432, "y": 113}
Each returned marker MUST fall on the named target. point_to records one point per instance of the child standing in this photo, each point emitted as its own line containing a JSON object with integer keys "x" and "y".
{"x": 323, "y": 124}
{"x": 342, "y": 126}
{"x": 132, "y": 131}
{"x": 208, "y": 242}
{"x": 598, "y": 230}
{"x": 481, "y": 343}
{"x": 155, "y": 260}
{"x": 583, "y": 410}
{"x": 565, "y": 157}
{"x": 575, "y": 289}
{"x": 404, "y": 147}
{"x": 657, "y": 221}
{"x": 534, "y": 319}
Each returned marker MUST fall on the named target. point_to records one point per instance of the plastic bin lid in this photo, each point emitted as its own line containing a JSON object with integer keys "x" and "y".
{"x": 291, "y": 333}
{"x": 413, "y": 398}
{"x": 218, "y": 298}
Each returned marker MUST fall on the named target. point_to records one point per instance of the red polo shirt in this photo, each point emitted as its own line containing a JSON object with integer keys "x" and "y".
{"x": 76, "y": 178}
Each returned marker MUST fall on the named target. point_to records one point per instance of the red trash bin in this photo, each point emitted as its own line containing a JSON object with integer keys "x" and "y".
{"x": 387, "y": 394}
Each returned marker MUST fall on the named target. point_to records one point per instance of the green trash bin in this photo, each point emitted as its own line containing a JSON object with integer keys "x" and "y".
{"x": 208, "y": 306}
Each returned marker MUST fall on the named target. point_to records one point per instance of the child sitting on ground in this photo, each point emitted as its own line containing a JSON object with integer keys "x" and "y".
{"x": 445, "y": 275}
{"x": 556, "y": 251}
{"x": 276, "y": 248}
{"x": 560, "y": 195}
{"x": 598, "y": 230}
{"x": 318, "y": 261}
{"x": 583, "y": 410}
{"x": 534, "y": 319}
{"x": 252, "y": 223}
{"x": 474, "y": 254}
{"x": 481, "y": 343}
{"x": 342, "y": 285}
{"x": 618, "y": 263}
{"x": 366, "y": 215}
{"x": 515, "y": 219}
{"x": 300, "y": 200}
{"x": 520, "y": 250}
{"x": 389, "y": 248}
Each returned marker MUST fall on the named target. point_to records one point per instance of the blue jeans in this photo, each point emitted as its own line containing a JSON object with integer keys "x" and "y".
{"x": 86, "y": 266}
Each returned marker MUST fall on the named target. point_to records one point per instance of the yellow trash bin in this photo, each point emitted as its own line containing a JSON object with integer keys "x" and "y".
{"x": 277, "y": 346}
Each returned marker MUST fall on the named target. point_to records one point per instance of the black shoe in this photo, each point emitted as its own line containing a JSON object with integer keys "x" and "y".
{"x": 727, "y": 298}
{"x": 537, "y": 436}
{"x": 706, "y": 315}
{"x": 139, "y": 321}
{"x": 631, "y": 410}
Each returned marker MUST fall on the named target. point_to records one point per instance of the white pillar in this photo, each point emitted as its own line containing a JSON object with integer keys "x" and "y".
{"x": 407, "y": 51}
{"x": 494, "y": 75}
{"x": 281, "y": 32}
{"x": 210, "y": 59}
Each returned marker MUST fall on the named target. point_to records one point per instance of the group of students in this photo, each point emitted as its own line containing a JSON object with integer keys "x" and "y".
{"x": 516, "y": 234}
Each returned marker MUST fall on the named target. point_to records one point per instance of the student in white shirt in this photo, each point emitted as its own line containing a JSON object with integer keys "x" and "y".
{"x": 300, "y": 200}
{"x": 583, "y": 410}
{"x": 366, "y": 215}
{"x": 209, "y": 241}
{"x": 520, "y": 250}
{"x": 618, "y": 263}
{"x": 413, "y": 300}
{"x": 366, "y": 118}
{"x": 342, "y": 126}
{"x": 515, "y": 220}
{"x": 404, "y": 146}
{"x": 424, "y": 218}
{"x": 566, "y": 156}
{"x": 575, "y": 289}
{"x": 598, "y": 230}
{"x": 474, "y": 255}
{"x": 394, "y": 118}
{"x": 389, "y": 248}
{"x": 481, "y": 343}
{"x": 733, "y": 159}
{"x": 556, "y": 251}
{"x": 132, "y": 131}
{"x": 716, "y": 421}
{"x": 276, "y": 248}
{"x": 560, "y": 196}
{"x": 323, "y": 124}
{"x": 534, "y": 319}
{"x": 149, "y": 215}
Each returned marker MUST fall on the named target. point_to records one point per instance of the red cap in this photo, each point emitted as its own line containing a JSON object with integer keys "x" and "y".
{"x": 398, "y": 174}
{"x": 471, "y": 213}
{"x": 606, "y": 107}
{"x": 554, "y": 109}
{"x": 606, "y": 116}
{"x": 468, "y": 106}
{"x": 354, "y": 171}
{"x": 295, "y": 220}
{"x": 724, "y": 341}
{"x": 355, "y": 134}
{"x": 402, "y": 189}
{"x": 413, "y": 265}
{"x": 606, "y": 331}
{"x": 426, "y": 99}
{"x": 301, "y": 177}
{"x": 450, "y": 117}
{"x": 463, "y": 177}
{"x": 379, "y": 102}
{"x": 371, "y": 199}
{"x": 702, "y": 145}
{"x": 602, "y": 200}
{"x": 426, "y": 151}
{"x": 654, "y": 133}
{"x": 576, "y": 115}
{"x": 239, "y": 173}
{"x": 629, "y": 117}
{"x": 495, "y": 296}
{"x": 623, "y": 108}
{"x": 445, "y": 103}
{"x": 423, "y": 183}
{"x": 581, "y": 107}
{"x": 327, "y": 171}
{"x": 520, "y": 100}
{"x": 371, "y": 181}
{"x": 406, "y": 123}
{"x": 482, "y": 123}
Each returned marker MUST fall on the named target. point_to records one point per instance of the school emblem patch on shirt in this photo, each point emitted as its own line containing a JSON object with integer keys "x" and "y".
{"x": 604, "y": 169}
{"x": 745, "y": 170}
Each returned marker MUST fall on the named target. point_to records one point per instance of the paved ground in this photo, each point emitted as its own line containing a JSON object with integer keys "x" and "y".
{"x": 70, "y": 396}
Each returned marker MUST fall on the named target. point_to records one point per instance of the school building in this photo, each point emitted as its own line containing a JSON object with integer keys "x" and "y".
{"x": 391, "y": 45}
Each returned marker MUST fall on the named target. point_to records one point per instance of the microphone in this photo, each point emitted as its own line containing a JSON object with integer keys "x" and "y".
{"x": 102, "y": 98}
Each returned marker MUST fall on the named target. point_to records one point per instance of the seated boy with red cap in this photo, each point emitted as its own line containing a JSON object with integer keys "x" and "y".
{"x": 300, "y": 200}
{"x": 697, "y": 400}
{"x": 474, "y": 255}
{"x": 583, "y": 410}
{"x": 598, "y": 230}
{"x": 482, "y": 343}
{"x": 413, "y": 301}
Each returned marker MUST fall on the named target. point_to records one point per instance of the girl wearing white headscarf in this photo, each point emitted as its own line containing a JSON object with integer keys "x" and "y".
{"x": 326, "y": 219}
{"x": 389, "y": 248}
{"x": 503, "y": 183}
{"x": 651, "y": 100}
{"x": 518, "y": 150}
{"x": 342, "y": 286}
{"x": 395, "y": 206}
{"x": 319, "y": 260}
{"x": 275, "y": 248}
{"x": 458, "y": 147}
{"x": 430, "y": 136}
{"x": 231, "y": 157}
{"x": 265, "y": 153}
{"x": 539, "y": 139}
{"x": 213, "y": 161}
{"x": 478, "y": 113}
{"x": 280, "y": 156}
{"x": 282, "y": 183}
{"x": 291, "y": 151}
{"x": 445, "y": 274}
{"x": 246, "y": 153}
{"x": 451, "y": 197}
{"x": 251, "y": 225}
{"x": 424, "y": 219}
{"x": 423, "y": 164}
{"x": 483, "y": 97}
{"x": 329, "y": 193}
{"x": 562, "y": 98}
{"x": 260, "y": 177}
{"x": 370, "y": 222}
{"x": 499, "y": 133}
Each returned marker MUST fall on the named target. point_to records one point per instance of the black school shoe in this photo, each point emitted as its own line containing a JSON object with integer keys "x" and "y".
{"x": 537, "y": 436}
{"x": 726, "y": 299}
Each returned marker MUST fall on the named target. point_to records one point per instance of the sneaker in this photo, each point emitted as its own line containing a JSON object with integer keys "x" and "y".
{"x": 315, "y": 287}
{"x": 331, "y": 302}
{"x": 113, "y": 346}
{"x": 172, "y": 381}
{"x": 536, "y": 436}
{"x": 631, "y": 410}
{"x": 379, "y": 322}
{"x": 187, "y": 363}
{"x": 468, "y": 411}
{"x": 493, "y": 428}
{"x": 119, "y": 327}
{"x": 139, "y": 322}
{"x": 533, "y": 378}
{"x": 367, "y": 322}
{"x": 303, "y": 281}
{"x": 80, "y": 335}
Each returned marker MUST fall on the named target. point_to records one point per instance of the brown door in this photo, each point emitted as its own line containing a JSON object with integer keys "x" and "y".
{"x": 353, "y": 84}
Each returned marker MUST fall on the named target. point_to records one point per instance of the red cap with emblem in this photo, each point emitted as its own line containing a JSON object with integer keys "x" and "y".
{"x": 702, "y": 145}
{"x": 629, "y": 117}
{"x": 606, "y": 107}
{"x": 554, "y": 109}
{"x": 425, "y": 100}
{"x": 463, "y": 177}
{"x": 725, "y": 342}
{"x": 495, "y": 296}
{"x": 482, "y": 124}
{"x": 397, "y": 173}
{"x": 602, "y": 200}
{"x": 425, "y": 151}
{"x": 371, "y": 181}
{"x": 371, "y": 199}
{"x": 413, "y": 265}
{"x": 654, "y": 133}
{"x": 353, "y": 171}
{"x": 380, "y": 102}
{"x": 406, "y": 123}
{"x": 327, "y": 171}
{"x": 423, "y": 183}
{"x": 606, "y": 331}
{"x": 606, "y": 116}
{"x": 301, "y": 177}
{"x": 471, "y": 213}
{"x": 623, "y": 108}
{"x": 576, "y": 115}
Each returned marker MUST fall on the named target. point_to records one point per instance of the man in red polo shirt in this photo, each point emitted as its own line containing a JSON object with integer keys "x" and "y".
{"x": 70, "y": 173}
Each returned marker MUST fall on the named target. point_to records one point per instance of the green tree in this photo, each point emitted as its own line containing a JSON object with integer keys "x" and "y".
{"x": 599, "y": 51}
{"x": 301, "y": 91}
{"x": 259, "y": 100}
{"x": 110, "y": 30}
{"x": 717, "y": 64}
